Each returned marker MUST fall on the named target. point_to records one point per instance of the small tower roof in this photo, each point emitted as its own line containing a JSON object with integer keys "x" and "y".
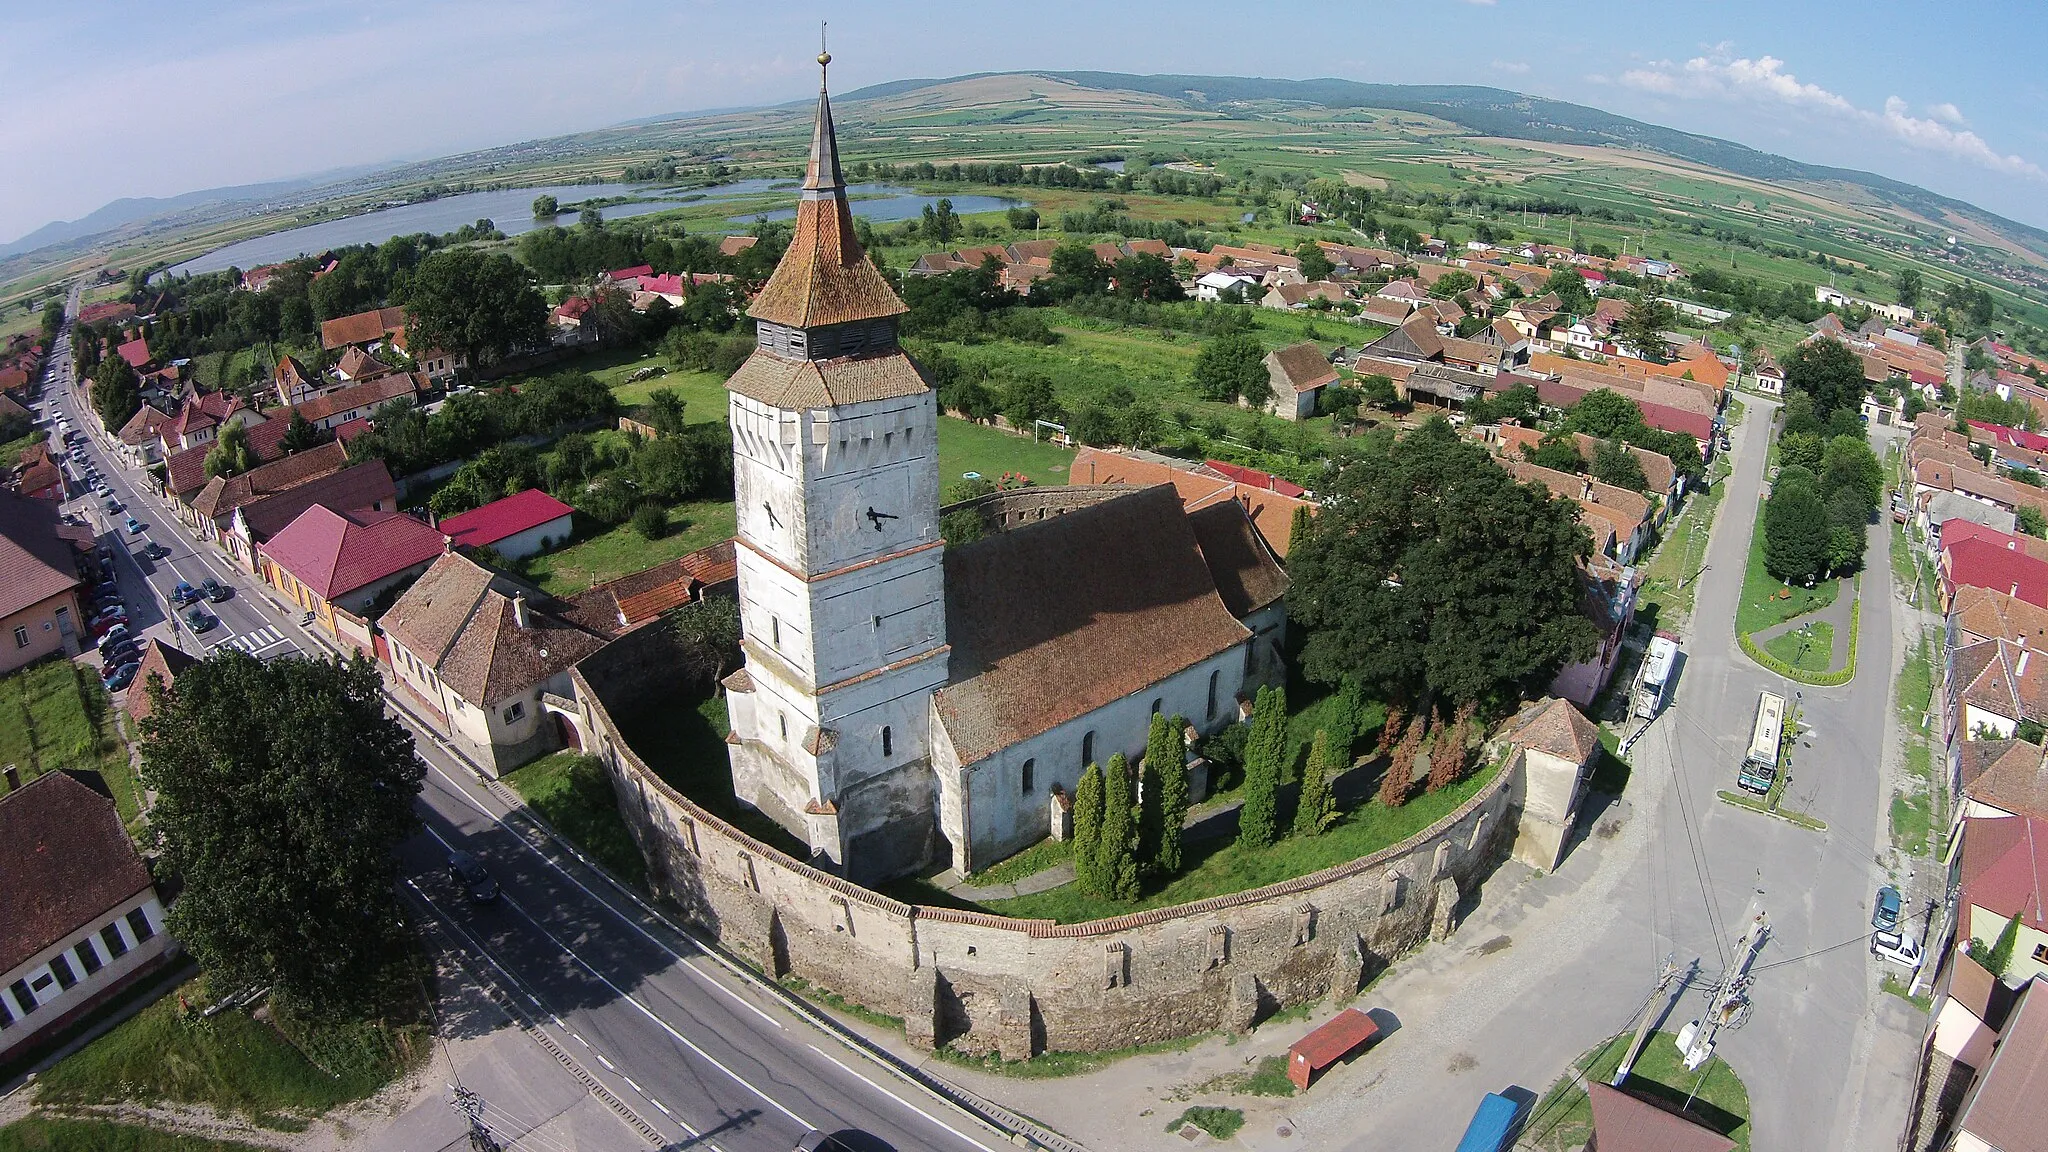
{"x": 825, "y": 277}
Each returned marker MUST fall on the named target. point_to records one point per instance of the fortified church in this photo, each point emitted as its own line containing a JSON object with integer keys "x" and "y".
{"x": 901, "y": 698}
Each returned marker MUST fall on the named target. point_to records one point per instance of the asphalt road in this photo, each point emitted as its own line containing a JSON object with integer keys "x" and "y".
{"x": 696, "y": 1050}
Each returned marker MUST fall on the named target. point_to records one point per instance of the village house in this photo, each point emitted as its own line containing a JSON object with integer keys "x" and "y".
{"x": 640, "y": 597}
{"x": 1297, "y": 296}
{"x": 79, "y": 916}
{"x": 359, "y": 487}
{"x": 39, "y": 583}
{"x": 1297, "y": 375}
{"x": 212, "y": 507}
{"x": 294, "y": 384}
{"x": 161, "y": 666}
{"x": 1215, "y": 285}
{"x": 326, "y": 560}
{"x": 486, "y": 660}
{"x": 362, "y": 330}
{"x": 515, "y": 527}
{"x": 333, "y": 409}
{"x": 1558, "y": 747}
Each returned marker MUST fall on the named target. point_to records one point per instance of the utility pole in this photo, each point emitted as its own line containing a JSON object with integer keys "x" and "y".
{"x": 1635, "y": 1048}
{"x": 471, "y": 1106}
{"x": 1728, "y": 1004}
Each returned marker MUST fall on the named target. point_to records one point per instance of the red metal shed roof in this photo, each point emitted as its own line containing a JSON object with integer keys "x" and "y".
{"x": 482, "y": 527}
{"x": 1337, "y": 1038}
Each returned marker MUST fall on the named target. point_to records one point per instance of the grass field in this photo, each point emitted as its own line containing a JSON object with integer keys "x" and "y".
{"x": 965, "y": 446}
{"x": 614, "y": 552}
{"x": 1808, "y": 649}
{"x": 1563, "y": 1119}
{"x": 10, "y": 452}
{"x": 573, "y": 793}
{"x": 231, "y": 1062}
{"x": 1219, "y": 866}
{"x": 1669, "y": 578}
{"x": 1761, "y": 605}
{"x": 56, "y": 715}
{"x": 40, "y": 1133}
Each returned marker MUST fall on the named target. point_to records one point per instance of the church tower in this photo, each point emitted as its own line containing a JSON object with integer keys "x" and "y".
{"x": 841, "y": 578}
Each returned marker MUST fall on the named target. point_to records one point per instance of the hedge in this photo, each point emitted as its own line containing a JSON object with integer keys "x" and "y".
{"x": 1821, "y": 679}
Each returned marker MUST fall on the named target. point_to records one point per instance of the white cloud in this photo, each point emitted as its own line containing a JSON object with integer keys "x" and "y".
{"x": 1515, "y": 66}
{"x": 1764, "y": 80}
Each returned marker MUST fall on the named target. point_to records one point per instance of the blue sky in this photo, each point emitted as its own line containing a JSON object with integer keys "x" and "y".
{"x": 110, "y": 99}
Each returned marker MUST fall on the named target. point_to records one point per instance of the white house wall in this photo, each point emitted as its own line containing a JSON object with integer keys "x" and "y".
{"x": 54, "y": 1004}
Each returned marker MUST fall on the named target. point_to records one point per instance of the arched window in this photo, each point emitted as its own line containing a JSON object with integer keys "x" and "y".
{"x": 1028, "y": 766}
{"x": 1087, "y": 749}
{"x": 1157, "y": 705}
{"x": 783, "y": 717}
{"x": 888, "y": 745}
{"x": 1214, "y": 677}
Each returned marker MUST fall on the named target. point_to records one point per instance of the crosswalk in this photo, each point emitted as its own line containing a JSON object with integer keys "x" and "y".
{"x": 255, "y": 643}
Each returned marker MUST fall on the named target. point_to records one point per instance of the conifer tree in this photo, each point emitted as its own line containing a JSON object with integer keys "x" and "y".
{"x": 2001, "y": 951}
{"x": 1259, "y": 820}
{"x": 1318, "y": 807}
{"x": 1169, "y": 750}
{"x": 1150, "y": 822}
{"x": 1116, "y": 857}
{"x": 1348, "y": 710}
{"x": 1088, "y": 828}
{"x": 1401, "y": 763}
{"x": 1390, "y": 729}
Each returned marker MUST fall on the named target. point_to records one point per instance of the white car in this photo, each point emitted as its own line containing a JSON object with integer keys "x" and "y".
{"x": 1903, "y": 950}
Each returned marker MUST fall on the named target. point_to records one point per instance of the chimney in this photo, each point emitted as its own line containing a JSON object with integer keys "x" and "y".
{"x": 519, "y": 610}
{"x": 13, "y": 777}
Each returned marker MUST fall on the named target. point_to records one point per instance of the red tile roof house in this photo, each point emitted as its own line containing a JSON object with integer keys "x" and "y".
{"x": 516, "y": 527}
{"x": 1992, "y": 687}
{"x": 39, "y": 583}
{"x": 79, "y": 916}
{"x": 200, "y": 421}
{"x": 211, "y": 507}
{"x": 362, "y": 329}
{"x": 184, "y": 473}
{"x": 360, "y": 400}
{"x": 2008, "y": 1107}
{"x": 2003, "y": 871}
{"x": 325, "y": 559}
{"x": 487, "y": 660}
{"x": 1987, "y": 563}
{"x": 365, "y": 486}
{"x": 135, "y": 352}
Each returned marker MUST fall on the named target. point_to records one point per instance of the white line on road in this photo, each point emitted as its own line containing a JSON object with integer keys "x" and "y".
{"x": 660, "y": 1105}
{"x": 603, "y": 1061}
{"x": 901, "y": 1100}
{"x": 633, "y": 1086}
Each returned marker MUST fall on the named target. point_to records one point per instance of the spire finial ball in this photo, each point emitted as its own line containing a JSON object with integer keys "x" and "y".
{"x": 824, "y": 58}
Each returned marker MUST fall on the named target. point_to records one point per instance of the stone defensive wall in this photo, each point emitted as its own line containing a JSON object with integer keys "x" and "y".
{"x": 987, "y": 983}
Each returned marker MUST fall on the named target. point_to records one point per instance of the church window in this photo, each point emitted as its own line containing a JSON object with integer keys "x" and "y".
{"x": 775, "y": 631}
{"x": 783, "y": 719}
{"x": 1028, "y": 766}
{"x": 888, "y": 441}
{"x": 888, "y": 745}
{"x": 878, "y": 623}
{"x": 1157, "y": 705}
{"x": 1213, "y": 677}
{"x": 1087, "y": 749}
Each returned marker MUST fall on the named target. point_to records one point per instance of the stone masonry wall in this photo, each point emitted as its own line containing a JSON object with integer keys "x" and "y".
{"x": 992, "y": 983}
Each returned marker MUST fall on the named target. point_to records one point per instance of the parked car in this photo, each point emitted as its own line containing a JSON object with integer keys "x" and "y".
{"x": 109, "y": 614}
{"x": 134, "y": 526}
{"x": 113, "y": 638}
{"x": 1884, "y": 915}
{"x": 105, "y": 624}
{"x": 214, "y": 590}
{"x": 199, "y": 622}
{"x": 120, "y": 654}
{"x": 154, "y": 551}
{"x": 1896, "y": 948}
{"x": 112, "y": 505}
{"x": 184, "y": 593}
{"x": 101, "y": 489}
{"x": 123, "y": 676}
{"x": 468, "y": 871}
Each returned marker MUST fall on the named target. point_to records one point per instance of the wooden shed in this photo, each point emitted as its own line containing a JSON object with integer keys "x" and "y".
{"x": 1343, "y": 1034}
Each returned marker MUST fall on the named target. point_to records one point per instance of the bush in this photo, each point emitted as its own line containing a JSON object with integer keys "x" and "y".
{"x": 650, "y": 520}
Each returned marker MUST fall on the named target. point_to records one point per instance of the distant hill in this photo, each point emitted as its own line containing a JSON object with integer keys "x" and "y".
{"x": 1498, "y": 112}
{"x": 141, "y": 209}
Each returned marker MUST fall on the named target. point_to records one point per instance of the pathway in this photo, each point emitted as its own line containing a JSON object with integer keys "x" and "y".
{"x": 1836, "y": 616}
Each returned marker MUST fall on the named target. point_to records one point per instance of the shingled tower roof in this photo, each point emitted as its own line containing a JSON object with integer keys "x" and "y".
{"x": 825, "y": 277}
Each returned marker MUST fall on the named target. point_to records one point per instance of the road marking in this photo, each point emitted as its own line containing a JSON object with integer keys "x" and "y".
{"x": 660, "y": 1105}
{"x": 629, "y": 998}
{"x": 633, "y": 1086}
{"x": 601, "y": 1060}
{"x": 901, "y": 1100}
{"x": 463, "y": 794}
{"x": 580, "y": 1039}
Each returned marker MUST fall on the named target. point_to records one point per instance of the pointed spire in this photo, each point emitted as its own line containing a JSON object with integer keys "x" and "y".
{"x": 822, "y": 174}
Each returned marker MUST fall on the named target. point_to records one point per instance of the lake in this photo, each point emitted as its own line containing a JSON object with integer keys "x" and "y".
{"x": 887, "y": 204}
{"x": 511, "y": 209}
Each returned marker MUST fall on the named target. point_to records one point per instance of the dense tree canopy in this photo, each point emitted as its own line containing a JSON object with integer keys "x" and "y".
{"x": 1430, "y": 575}
{"x": 283, "y": 791}
{"x": 1830, "y": 373}
{"x": 116, "y": 392}
{"x": 1230, "y": 366}
{"x": 482, "y": 306}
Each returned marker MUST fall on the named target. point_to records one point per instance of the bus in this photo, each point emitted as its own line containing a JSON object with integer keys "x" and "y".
{"x": 1760, "y": 766}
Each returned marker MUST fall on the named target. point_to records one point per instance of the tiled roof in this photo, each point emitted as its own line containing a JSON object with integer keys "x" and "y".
{"x": 1995, "y": 614}
{"x": 223, "y": 494}
{"x": 1958, "y": 529}
{"x": 1626, "y": 1122}
{"x": 641, "y": 596}
{"x": 67, "y": 861}
{"x": 335, "y": 553}
{"x": 460, "y": 619}
{"x": 2004, "y": 867}
{"x": 1271, "y": 513}
{"x": 161, "y": 661}
{"x": 734, "y": 245}
{"x": 361, "y": 328}
{"x": 1303, "y": 366}
{"x": 824, "y": 277}
{"x": 2015, "y": 782}
{"x": 1976, "y": 757}
{"x": 144, "y": 426}
{"x": 1055, "y": 618}
{"x": 1553, "y": 725}
{"x": 135, "y": 352}
{"x": 356, "y": 364}
{"x": 1658, "y": 469}
{"x": 2001, "y": 678}
{"x": 482, "y": 527}
{"x": 1246, "y": 575}
{"x": 1988, "y": 565}
{"x": 2010, "y": 1107}
{"x": 786, "y": 383}
{"x": 359, "y": 486}
{"x": 368, "y": 394}
{"x": 35, "y": 563}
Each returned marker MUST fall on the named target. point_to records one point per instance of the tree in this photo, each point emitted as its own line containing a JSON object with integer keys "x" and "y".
{"x": 1076, "y": 271}
{"x": 2001, "y": 952}
{"x": 1430, "y": 573}
{"x": 1344, "y": 722}
{"x": 1147, "y": 277}
{"x": 1557, "y": 450}
{"x": 1116, "y": 858}
{"x": 1848, "y": 462}
{"x": 230, "y": 454}
{"x": 1400, "y": 776}
{"x": 1258, "y": 820}
{"x": 1317, "y": 808}
{"x": 1616, "y": 465}
{"x": 1230, "y": 366}
{"x": 650, "y": 520}
{"x": 301, "y": 434}
{"x": 1166, "y": 755}
{"x": 1643, "y": 327}
{"x": 1908, "y": 284}
{"x": 116, "y": 392}
{"x": 1088, "y": 812}
{"x": 1801, "y": 450}
{"x": 1604, "y": 413}
{"x": 1314, "y": 264}
{"x": 1796, "y": 533}
{"x": 545, "y": 208}
{"x": 1376, "y": 388}
{"x": 483, "y": 307}
{"x": 1447, "y": 756}
{"x": 707, "y": 641}
{"x": 940, "y": 224}
{"x": 1830, "y": 373}
{"x": 1453, "y": 283}
{"x": 2032, "y": 522}
{"x": 283, "y": 791}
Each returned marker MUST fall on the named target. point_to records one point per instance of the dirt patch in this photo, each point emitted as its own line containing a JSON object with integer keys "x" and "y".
{"x": 1361, "y": 180}
{"x": 1497, "y": 944}
{"x": 1462, "y": 1062}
